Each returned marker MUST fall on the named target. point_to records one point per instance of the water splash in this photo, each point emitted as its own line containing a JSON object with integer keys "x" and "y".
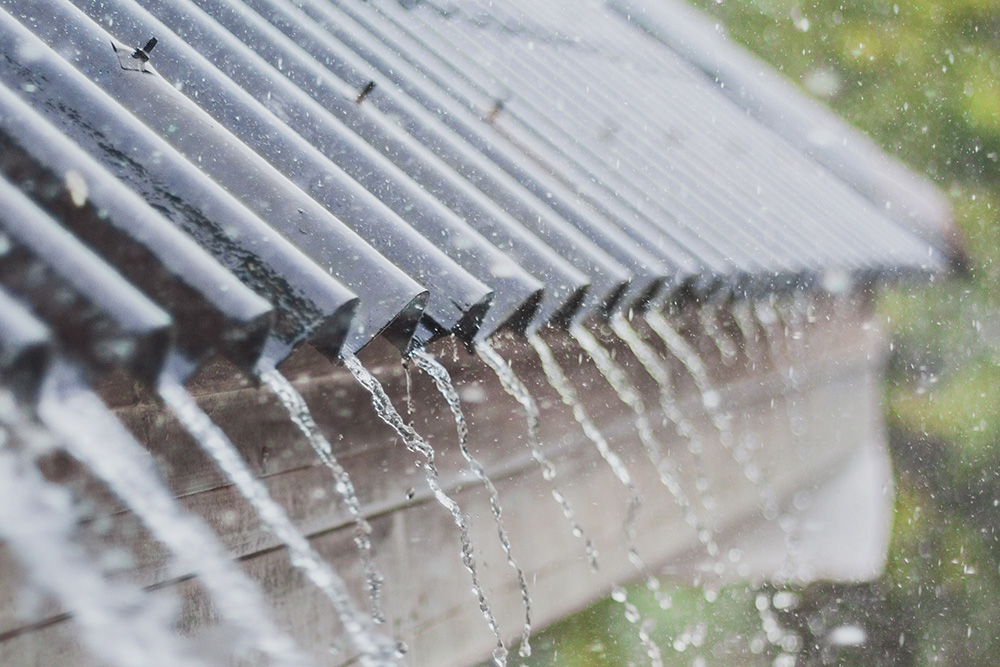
{"x": 658, "y": 370}
{"x": 92, "y": 435}
{"x": 710, "y": 400}
{"x": 563, "y": 387}
{"x": 442, "y": 380}
{"x": 417, "y": 445}
{"x": 513, "y": 386}
{"x": 375, "y": 650}
{"x": 119, "y": 623}
{"x": 300, "y": 414}
{"x": 709, "y": 316}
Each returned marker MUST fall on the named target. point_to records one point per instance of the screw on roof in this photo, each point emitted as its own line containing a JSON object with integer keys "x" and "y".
{"x": 369, "y": 87}
{"x": 142, "y": 53}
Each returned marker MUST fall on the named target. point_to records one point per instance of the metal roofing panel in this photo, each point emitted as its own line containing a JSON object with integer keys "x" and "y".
{"x": 98, "y": 316}
{"x": 515, "y": 290}
{"x": 457, "y": 301}
{"x": 390, "y": 302}
{"x": 211, "y": 308}
{"x": 25, "y": 348}
{"x": 442, "y": 65}
{"x": 647, "y": 268}
{"x": 581, "y": 48}
{"x": 814, "y": 129}
{"x": 309, "y": 303}
{"x": 545, "y": 133}
{"x": 290, "y": 57}
{"x": 607, "y": 276}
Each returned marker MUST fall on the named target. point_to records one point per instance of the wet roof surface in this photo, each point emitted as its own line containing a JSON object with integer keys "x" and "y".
{"x": 269, "y": 172}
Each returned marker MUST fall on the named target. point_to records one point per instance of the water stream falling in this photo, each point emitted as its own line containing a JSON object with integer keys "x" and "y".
{"x": 513, "y": 386}
{"x": 119, "y": 623}
{"x": 793, "y": 315}
{"x": 709, "y": 316}
{"x": 711, "y": 402}
{"x": 300, "y": 414}
{"x": 658, "y": 370}
{"x": 442, "y": 380}
{"x": 561, "y": 384}
{"x": 629, "y": 395}
{"x": 417, "y": 445}
{"x": 92, "y": 435}
{"x": 743, "y": 315}
{"x": 375, "y": 650}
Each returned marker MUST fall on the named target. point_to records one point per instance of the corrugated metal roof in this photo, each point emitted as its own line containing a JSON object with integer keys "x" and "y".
{"x": 350, "y": 169}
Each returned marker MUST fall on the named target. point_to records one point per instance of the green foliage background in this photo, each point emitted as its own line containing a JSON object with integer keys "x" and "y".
{"x": 922, "y": 78}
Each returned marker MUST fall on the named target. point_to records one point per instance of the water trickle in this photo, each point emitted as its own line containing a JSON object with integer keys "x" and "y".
{"x": 300, "y": 414}
{"x": 416, "y": 444}
{"x": 709, "y": 316}
{"x": 513, "y": 386}
{"x": 656, "y": 369}
{"x": 793, "y": 315}
{"x": 119, "y": 623}
{"x": 743, "y": 315}
{"x": 711, "y": 402}
{"x": 442, "y": 380}
{"x": 375, "y": 650}
{"x": 629, "y": 395}
{"x": 408, "y": 376}
{"x": 92, "y": 435}
{"x": 694, "y": 364}
{"x": 563, "y": 387}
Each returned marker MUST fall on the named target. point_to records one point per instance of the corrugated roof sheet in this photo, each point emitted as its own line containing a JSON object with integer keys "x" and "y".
{"x": 350, "y": 169}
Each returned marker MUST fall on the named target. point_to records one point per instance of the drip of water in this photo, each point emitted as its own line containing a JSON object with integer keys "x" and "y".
{"x": 375, "y": 650}
{"x": 710, "y": 401}
{"x": 629, "y": 395}
{"x": 417, "y": 445}
{"x": 92, "y": 435}
{"x": 743, "y": 314}
{"x": 656, "y": 369}
{"x": 558, "y": 380}
{"x": 513, "y": 386}
{"x": 300, "y": 414}
{"x": 687, "y": 355}
{"x": 408, "y": 376}
{"x": 119, "y": 623}
{"x": 709, "y": 317}
{"x": 634, "y": 616}
{"x": 432, "y": 367}
{"x": 793, "y": 315}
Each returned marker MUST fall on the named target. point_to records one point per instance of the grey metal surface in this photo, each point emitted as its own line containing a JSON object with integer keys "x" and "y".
{"x": 418, "y": 171}
{"x": 25, "y": 348}
{"x": 514, "y": 289}
{"x": 296, "y": 59}
{"x": 212, "y": 309}
{"x": 390, "y": 301}
{"x": 597, "y": 108}
{"x": 457, "y": 301}
{"x": 814, "y": 129}
{"x": 99, "y": 318}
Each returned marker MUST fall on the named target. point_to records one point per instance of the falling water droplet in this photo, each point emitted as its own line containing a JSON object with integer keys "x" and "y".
{"x": 375, "y": 650}
{"x": 416, "y": 444}
{"x": 93, "y": 435}
{"x": 442, "y": 380}
{"x": 516, "y": 389}
{"x": 300, "y": 414}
